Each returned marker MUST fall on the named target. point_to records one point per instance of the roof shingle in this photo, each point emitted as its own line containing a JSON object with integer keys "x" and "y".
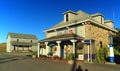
{"x": 81, "y": 16}
{"x": 23, "y": 36}
{"x": 62, "y": 37}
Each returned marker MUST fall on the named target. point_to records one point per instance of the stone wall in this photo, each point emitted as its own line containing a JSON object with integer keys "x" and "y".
{"x": 97, "y": 33}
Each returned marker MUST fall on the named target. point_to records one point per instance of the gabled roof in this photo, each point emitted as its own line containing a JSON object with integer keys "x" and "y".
{"x": 23, "y": 36}
{"x": 69, "y": 11}
{"x": 79, "y": 18}
{"x": 108, "y": 21}
{"x": 97, "y": 14}
{"x": 62, "y": 37}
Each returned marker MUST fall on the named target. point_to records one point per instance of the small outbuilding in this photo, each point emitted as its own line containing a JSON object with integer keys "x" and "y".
{"x": 17, "y": 42}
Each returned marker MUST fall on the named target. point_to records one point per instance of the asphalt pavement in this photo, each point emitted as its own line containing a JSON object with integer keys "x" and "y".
{"x": 24, "y": 62}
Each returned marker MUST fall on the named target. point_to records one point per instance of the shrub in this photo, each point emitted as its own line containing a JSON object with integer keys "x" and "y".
{"x": 70, "y": 56}
{"x": 55, "y": 57}
{"x": 34, "y": 52}
{"x": 116, "y": 52}
{"x": 50, "y": 54}
{"x": 102, "y": 55}
{"x": 97, "y": 57}
{"x": 117, "y": 56}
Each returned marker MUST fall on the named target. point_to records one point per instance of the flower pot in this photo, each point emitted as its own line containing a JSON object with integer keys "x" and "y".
{"x": 70, "y": 61}
{"x": 33, "y": 56}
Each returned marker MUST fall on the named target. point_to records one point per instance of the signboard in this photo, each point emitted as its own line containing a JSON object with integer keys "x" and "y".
{"x": 80, "y": 57}
{"x": 87, "y": 41}
{"x": 70, "y": 31}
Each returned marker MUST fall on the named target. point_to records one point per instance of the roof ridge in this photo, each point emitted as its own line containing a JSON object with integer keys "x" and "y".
{"x": 19, "y": 35}
{"x": 83, "y": 12}
{"x": 95, "y": 14}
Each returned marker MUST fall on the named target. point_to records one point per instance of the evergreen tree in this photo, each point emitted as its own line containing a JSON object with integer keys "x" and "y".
{"x": 116, "y": 40}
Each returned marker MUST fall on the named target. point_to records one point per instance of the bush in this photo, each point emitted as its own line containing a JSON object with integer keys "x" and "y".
{"x": 102, "y": 55}
{"x": 97, "y": 57}
{"x": 55, "y": 57}
{"x": 117, "y": 56}
{"x": 116, "y": 52}
{"x": 117, "y": 59}
{"x": 70, "y": 56}
{"x": 34, "y": 52}
{"x": 43, "y": 57}
{"x": 50, "y": 54}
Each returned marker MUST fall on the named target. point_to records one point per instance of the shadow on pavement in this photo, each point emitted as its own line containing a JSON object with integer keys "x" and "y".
{"x": 74, "y": 65}
{"x": 13, "y": 58}
{"x": 7, "y": 57}
{"x": 79, "y": 68}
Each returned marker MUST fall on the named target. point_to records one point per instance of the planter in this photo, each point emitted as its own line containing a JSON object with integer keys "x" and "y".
{"x": 33, "y": 56}
{"x": 70, "y": 61}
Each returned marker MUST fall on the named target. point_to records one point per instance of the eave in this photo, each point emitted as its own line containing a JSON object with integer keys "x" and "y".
{"x": 94, "y": 22}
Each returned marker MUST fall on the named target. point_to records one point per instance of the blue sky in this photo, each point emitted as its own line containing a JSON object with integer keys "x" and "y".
{"x": 35, "y": 16}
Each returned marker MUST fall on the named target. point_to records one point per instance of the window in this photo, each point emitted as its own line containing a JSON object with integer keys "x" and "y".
{"x": 65, "y": 32}
{"x": 31, "y": 41}
{"x": 17, "y": 40}
{"x": 100, "y": 44}
{"x": 67, "y": 17}
{"x": 59, "y": 33}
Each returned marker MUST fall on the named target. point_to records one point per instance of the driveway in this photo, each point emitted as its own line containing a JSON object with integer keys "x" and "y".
{"x": 99, "y": 67}
{"x": 12, "y": 62}
{"x": 23, "y": 62}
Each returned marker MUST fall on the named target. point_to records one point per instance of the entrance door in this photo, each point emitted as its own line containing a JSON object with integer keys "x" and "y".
{"x": 62, "y": 51}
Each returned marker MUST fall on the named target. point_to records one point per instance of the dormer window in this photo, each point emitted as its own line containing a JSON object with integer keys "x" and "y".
{"x": 69, "y": 15}
{"x": 17, "y": 40}
{"x": 66, "y": 17}
{"x": 31, "y": 41}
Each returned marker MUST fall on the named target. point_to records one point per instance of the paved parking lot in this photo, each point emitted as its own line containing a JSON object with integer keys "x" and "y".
{"x": 22, "y": 62}
{"x": 12, "y": 62}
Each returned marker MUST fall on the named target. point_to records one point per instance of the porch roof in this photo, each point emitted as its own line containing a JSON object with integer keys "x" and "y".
{"x": 62, "y": 37}
{"x": 24, "y": 43}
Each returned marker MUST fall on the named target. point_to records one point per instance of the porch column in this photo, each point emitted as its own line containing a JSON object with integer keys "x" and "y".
{"x": 58, "y": 48}
{"x": 38, "y": 50}
{"x": 73, "y": 41}
{"x": 44, "y": 51}
{"x": 88, "y": 53}
{"x": 47, "y": 48}
{"x": 90, "y": 50}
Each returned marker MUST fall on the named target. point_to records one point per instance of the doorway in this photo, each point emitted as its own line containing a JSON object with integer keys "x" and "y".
{"x": 62, "y": 51}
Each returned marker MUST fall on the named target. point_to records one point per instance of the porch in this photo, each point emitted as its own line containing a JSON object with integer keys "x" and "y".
{"x": 61, "y": 46}
{"x": 22, "y": 46}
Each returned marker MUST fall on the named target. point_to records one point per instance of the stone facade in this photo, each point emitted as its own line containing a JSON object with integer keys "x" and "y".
{"x": 86, "y": 27}
{"x": 97, "y": 33}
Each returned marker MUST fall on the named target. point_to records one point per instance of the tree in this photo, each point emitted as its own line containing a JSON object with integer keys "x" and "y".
{"x": 116, "y": 40}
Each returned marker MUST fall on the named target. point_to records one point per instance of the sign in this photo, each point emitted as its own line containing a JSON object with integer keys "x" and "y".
{"x": 87, "y": 41}
{"x": 80, "y": 57}
{"x": 70, "y": 31}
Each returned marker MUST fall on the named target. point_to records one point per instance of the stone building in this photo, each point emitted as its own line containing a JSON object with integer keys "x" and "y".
{"x": 21, "y": 42}
{"x": 80, "y": 33}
